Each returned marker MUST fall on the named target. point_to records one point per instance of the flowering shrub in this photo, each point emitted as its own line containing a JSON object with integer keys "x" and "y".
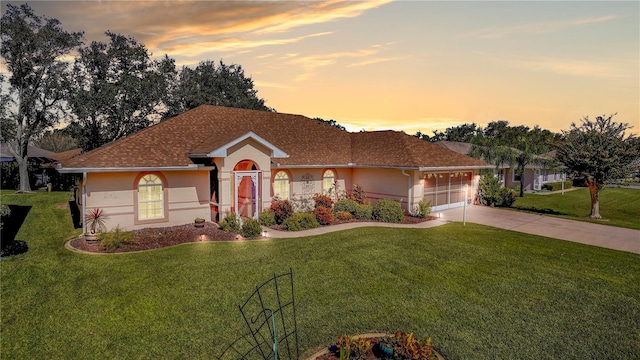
{"x": 357, "y": 194}
{"x": 323, "y": 215}
{"x": 282, "y": 210}
{"x": 322, "y": 201}
{"x": 343, "y": 215}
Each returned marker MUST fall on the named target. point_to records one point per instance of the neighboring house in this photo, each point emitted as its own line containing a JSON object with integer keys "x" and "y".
{"x": 36, "y": 158}
{"x": 534, "y": 175}
{"x": 211, "y": 160}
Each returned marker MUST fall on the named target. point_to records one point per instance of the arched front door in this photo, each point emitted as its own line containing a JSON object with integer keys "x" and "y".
{"x": 247, "y": 189}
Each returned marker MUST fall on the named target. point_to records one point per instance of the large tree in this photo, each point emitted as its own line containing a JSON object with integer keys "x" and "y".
{"x": 222, "y": 85}
{"x": 461, "y": 133}
{"x": 32, "y": 48}
{"x": 598, "y": 151}
{"x": 118, "y": 89}
{"x": 518, "y": 146}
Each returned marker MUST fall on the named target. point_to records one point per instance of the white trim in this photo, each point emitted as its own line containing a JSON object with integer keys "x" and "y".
{"x": 222, "y": 151}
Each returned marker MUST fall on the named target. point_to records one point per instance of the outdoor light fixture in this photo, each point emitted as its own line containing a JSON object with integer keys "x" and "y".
{"x": 265, "y": 233}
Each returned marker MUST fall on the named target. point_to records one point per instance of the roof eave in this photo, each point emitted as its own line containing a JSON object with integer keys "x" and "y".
{"x": 79, "y": 170}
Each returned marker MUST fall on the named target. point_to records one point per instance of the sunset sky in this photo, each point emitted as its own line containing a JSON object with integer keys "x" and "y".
{"x": 401, "y": 65}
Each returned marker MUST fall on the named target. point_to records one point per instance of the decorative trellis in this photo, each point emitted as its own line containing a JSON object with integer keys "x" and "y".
{"x": 270, "y": 316}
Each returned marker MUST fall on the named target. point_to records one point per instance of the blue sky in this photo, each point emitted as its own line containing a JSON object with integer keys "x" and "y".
{"x": 402, "y": 65}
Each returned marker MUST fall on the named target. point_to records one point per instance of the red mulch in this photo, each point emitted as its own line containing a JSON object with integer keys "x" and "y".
{"x": 155, "y": 238}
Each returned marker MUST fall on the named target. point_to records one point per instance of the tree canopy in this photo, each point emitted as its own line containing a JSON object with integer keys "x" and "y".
{"x": 599, "y": 151}
{"x": 118, "y": 89}
{"x": 518, "y": 146}
{"x": 222, "y": 85}
{"x": 32, "y": 48}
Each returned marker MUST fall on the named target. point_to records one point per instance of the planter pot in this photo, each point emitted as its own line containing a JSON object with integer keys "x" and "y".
{"x": 91, "y": 238}
{"x": 199, "y": 224}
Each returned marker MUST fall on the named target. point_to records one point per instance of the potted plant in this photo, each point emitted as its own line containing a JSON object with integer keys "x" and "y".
{"x": 199, "y": 222}
{"x": 95, "y": 224}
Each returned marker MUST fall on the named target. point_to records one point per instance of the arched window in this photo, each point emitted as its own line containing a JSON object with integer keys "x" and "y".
{"x": 150, "y": 198}
{"x": 281, "y": 185}
{"x": 328, "y": 182}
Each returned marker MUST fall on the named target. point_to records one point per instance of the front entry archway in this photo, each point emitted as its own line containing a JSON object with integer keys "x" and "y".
{"x": 247, "y": 189}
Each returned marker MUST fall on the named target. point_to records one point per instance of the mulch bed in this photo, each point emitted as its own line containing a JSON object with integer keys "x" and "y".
{"x": 156, "y": 238}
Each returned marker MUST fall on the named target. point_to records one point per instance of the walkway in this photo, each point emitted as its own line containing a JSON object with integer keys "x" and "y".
{"x": 577, "y": 231}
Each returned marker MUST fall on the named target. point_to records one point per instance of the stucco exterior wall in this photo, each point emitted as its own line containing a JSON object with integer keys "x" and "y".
{"x": 386, "y": 184}
{"x": 248, "y": 149}
{"x": 186, "y": 195}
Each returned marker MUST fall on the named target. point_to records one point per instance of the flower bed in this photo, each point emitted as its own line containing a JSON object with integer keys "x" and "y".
{"x": 380, "y": 346}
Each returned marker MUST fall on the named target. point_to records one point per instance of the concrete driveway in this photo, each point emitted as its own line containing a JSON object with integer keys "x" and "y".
{"x": 577, "y": 231}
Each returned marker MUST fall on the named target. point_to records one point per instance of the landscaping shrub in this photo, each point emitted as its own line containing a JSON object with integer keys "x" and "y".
{"x": 343, "y": 215}
{"x": 230, "y": 222}
{"x": 423, "y": 209}
{"x": 300, "y": 221}
{"x": 363, "y": 212}
{"x": 251, "y": 229}
{"x": 322, "y": 200}
{"x": 493, "y": 194}
{"x": 116, "y": 239}
{"x": 387, "y": 210}
{"x": 557, "y": 186}
{"x": 506, "y": 197}
{"x": 323, "y": 215}
{"x": 356, "y": 194}
{"x": 282, "y": 210}
{"x": 267, "y": 218}
{"x": 346, "y": 205}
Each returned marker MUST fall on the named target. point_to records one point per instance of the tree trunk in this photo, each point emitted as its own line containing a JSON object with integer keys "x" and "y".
{"x": 23, "y": 169}
{"x": 522, "y": 184}
{"x": 595, "y": 199}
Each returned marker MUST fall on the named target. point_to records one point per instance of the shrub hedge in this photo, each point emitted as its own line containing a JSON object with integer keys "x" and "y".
{"x": 387, "y": 210}
{"x": 251, "y": 229}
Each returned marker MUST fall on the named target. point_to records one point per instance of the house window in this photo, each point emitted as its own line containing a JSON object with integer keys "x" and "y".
{"x": 328, "y": 181}
{"x": 150, "y": 198}
{"x": 515, "y": 178}
{"x": 281, "y": 185}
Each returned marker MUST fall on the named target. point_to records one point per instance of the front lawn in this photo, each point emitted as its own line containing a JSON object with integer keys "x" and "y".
{"x": 618, "y": 206}
{"x": 478, "y": 292}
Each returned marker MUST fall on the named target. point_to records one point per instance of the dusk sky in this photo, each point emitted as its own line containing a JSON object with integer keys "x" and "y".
{"x": 401, "y": 65}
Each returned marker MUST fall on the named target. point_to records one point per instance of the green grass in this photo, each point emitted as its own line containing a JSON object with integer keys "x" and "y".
{"x": 618, "y": 207}
{"x": 478, "y": 292}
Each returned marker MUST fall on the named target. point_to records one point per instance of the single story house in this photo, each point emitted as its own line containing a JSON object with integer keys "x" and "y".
{"x": 534, "y": 175}
{"x": 212, "y": 160}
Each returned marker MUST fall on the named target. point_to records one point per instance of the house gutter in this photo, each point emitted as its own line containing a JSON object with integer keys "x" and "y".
{"x": 410, "y": 193}
{"x": 120, "y": 169}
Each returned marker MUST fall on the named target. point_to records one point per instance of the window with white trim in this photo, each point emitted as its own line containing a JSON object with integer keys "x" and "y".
{"x": 328, "y": 181}
{"x": 150, "y": 198}
{"x": 281, "y": 185}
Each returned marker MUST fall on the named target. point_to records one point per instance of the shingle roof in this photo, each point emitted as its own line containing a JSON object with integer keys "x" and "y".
{"x": 307, "y": 141}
